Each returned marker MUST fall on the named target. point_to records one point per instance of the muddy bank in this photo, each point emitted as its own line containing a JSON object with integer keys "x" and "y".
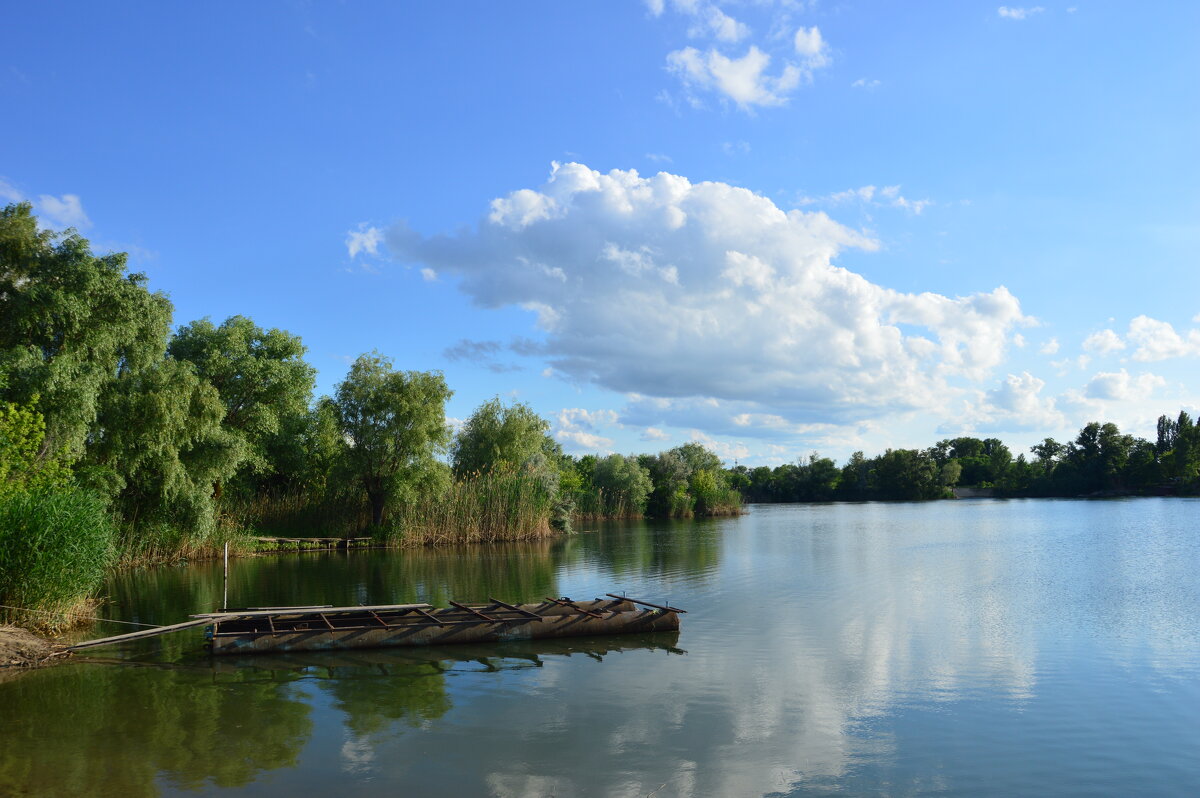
{"x": 22, "y": 648}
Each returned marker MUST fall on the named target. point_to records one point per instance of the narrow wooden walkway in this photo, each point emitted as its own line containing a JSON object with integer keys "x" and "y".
{"x": 320, "y": 542}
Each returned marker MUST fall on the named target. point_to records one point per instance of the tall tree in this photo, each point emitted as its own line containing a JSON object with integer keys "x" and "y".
{"x": 394, "y": 424}
{"x": 624, "y": 485}
{"x": 164, "y": 448}
{"x": 261, "y": 376}
{"x": 71, "y": 323}
{"x": 495, "y": 435}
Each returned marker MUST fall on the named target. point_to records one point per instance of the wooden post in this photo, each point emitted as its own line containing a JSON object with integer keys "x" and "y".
{"x": 225, "y": 599}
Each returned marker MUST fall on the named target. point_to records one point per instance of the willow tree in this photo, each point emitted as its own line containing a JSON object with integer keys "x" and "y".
{"x": 163, "y": 448}
{"x": 394, "y": 426}
{"x": 71, "y": 324}
{"x": 262, "y": 380}
{"x": 498, "y": 436}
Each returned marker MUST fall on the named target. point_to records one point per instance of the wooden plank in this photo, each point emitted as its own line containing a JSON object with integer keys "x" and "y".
{"x": 306, "y": 611}
{"x": 514, "y": 608}
{"x": 161, "y": 630}
{"x": 645, "y": 603}
{"x": 473, "y": 611}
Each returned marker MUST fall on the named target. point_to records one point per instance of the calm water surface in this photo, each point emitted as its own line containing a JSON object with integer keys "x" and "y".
{"x": 951, "y": 648}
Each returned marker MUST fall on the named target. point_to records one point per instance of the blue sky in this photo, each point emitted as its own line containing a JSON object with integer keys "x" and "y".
{"x": 774, "y": 227}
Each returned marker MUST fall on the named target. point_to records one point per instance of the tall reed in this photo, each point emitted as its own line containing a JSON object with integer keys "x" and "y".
{"x": 503, "y": 504}
{"x": 55, "y": 547}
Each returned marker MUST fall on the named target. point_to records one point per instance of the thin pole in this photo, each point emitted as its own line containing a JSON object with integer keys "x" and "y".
{"x": 225, "y": 599}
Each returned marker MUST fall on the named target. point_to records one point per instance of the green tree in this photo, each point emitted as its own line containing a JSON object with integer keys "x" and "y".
{"x": 22, "y": 430}
{"x": 72, "y": 324}
{"x": 906, "y": 474}
{"x": 163, "y": 448}
{"x": 623, "y": 484}
{"x": 495, "y": 435}
{"x": 394, "y": 424}
{"x": 262, "y": 379}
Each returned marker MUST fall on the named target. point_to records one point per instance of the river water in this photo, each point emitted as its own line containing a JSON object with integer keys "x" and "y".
{"x": 973, "y": 647}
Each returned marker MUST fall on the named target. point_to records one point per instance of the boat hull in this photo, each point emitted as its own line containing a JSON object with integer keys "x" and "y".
{"x": 552, "y": 622}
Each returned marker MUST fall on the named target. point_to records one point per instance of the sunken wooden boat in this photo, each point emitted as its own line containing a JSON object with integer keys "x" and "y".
{"x": 330, "y": 628}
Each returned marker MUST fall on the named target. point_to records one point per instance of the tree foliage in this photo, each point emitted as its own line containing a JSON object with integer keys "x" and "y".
{"x": 622, "y": 484}
{"x": 71, "y": 324}
{"x": 261, "y": 378}
{"x": 496, "y": 435}
{"x": 164, "y": 447}
{"x": 393, "y": 424}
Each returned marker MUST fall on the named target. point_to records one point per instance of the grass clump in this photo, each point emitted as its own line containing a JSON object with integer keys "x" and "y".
{"x": 55, "y": 547}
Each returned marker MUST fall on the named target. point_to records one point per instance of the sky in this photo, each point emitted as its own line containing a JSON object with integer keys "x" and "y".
{"x": 775, "y": 228}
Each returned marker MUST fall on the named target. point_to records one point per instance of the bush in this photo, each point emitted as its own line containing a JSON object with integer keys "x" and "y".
{"x": 54, "y": 550}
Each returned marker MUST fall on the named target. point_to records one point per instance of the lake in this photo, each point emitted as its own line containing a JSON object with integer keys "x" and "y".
{"x": 970, "y": 647}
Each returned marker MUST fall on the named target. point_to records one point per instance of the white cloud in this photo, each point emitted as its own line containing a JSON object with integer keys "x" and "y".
{"x": 1050, "y": 347}
{"x": 744, "y": 80}
{"x": 1103, "y": 343}
{"x": 719, "y": 25}
{"x": 811, "y": 48}
{"x": 864, "y": 83}
{"x": 9, "y": 192}
{"x": 577, "y": 429}
{"x": 64, "y": 211}
{"x": 1018, "y": 13}
{"x": 428, "y": 275}
{"x": 1157, "y": 340}
{"x": 364, "y": 239}
{"x": 756, "y": 318}
{"x": 1015, "y": 404}
{"x": 654, "y": 434}
{"x": 658, "y": 157}
{"x": 1120, "y": 386}
{"x": 747, "y": 79}
{"x": 726, "y": 450}
{"x": 52, "y": 212}
{"x": 888, "y": 196}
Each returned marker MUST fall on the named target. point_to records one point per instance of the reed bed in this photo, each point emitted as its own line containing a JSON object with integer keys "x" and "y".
{"x": 55, "y": 548}
{"x": 505, "y": 504}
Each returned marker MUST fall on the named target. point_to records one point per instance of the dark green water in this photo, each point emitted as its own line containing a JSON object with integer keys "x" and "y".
{"x": 954, "y": 648}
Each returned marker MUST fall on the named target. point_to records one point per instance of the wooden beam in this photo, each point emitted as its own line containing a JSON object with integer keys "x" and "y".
{"x": 222, "y": 616}
{"x": 161, "y": 630}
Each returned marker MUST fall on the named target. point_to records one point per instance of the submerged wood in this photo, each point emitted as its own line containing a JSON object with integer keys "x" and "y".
{"x": 415, "y": 625}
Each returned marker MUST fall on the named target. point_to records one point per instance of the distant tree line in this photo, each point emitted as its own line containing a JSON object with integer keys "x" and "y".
{"x": 1099, "y": 461}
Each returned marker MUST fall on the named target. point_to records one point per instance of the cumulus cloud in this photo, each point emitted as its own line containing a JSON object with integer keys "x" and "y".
{"x": 577, "y": 430}
{"x": 1121, "y": 386}
{"x": 865, "y": 83}
{"x": 1018, "y": 13}
{"x": 1050, "y": 347}
{"x": 654, "y": 434}
{"x": 746, "y": 78}
{"x": 1157, "y": 340}
{"x": 1103, "y": 343}
{"x": 1015, "y": 404}
{"x": 686, "y": 291}
{"x": 726, "y": 450}
{"x": 811, "y": 48}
